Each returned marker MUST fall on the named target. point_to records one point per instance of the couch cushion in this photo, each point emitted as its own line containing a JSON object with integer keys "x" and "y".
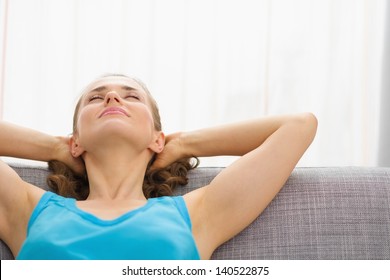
{"x": 321, "y": 213}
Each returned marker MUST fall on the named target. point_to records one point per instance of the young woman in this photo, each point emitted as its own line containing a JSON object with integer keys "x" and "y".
{"x": 118, "y": 144}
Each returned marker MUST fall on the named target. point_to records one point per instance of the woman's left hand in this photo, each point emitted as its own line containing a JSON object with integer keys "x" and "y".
{"x": 62, "y": 153}
{"x": 174, "y": 150}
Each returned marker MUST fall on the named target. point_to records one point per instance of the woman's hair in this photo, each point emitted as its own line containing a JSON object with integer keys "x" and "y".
{"x": 157, "y": 182}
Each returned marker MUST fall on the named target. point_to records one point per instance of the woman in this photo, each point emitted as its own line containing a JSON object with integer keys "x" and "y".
{"x": 118, "y": 137}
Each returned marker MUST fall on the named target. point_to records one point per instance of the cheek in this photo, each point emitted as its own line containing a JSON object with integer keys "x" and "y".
{"x": 146, "y": 115}
{"x": 150, "y": 119}
{"x": 83, "y": 121}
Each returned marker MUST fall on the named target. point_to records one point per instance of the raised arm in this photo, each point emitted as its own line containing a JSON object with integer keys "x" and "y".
{"x": 270, "y": 149}
{"x": 20, "y": 142}
{"x": 18, "y": 198}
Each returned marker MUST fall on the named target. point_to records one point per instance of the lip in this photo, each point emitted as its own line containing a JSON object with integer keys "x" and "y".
{"x": 113, "y": 111}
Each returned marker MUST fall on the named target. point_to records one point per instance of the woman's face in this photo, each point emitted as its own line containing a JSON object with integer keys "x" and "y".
{"x": 115, "y": 107}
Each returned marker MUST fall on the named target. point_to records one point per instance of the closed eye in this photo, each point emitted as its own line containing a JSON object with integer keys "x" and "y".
{"x": 132, "y": 96}
{"x": 95, "y": 97}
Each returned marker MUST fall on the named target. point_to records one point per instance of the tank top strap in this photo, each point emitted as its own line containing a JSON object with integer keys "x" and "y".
{"x": 183, "y": 210}
{"x": 42, "y": 203}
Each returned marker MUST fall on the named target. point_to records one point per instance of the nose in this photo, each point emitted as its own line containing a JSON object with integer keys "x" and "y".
{"x": 112, "y": 96}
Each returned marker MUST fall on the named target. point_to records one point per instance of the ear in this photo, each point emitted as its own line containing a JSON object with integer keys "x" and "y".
{"x": 158, "y": 143}
{"x": 75, "y": 148}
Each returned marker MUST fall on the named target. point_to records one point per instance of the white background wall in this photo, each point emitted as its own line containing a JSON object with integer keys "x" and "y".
{"x": 206, "y": 62}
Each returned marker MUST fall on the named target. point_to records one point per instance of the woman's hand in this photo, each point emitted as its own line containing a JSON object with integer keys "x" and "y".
{"x": 174, "y": 150}
{"x": 63, "y": 154}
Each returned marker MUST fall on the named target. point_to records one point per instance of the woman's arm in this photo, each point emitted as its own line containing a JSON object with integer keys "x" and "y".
{"x": 270, "y": 148}
{"x": 25, "y": 143}
{"x": 21, "y": 142}
{"x": 235, "y": 139}
{"x": 18, "y": 198}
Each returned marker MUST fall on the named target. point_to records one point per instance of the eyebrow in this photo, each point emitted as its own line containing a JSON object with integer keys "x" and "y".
{"x": 103, "y": 88}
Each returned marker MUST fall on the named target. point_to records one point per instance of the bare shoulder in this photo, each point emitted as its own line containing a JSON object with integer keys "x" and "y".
{"x": 17, "y": 201}
{"x": 195, "y": 202}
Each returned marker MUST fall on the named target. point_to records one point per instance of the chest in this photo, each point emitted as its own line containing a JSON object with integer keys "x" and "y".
{"x": 148, "y": 232}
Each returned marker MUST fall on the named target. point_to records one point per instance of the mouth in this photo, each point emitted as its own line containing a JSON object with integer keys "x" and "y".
{"x": 114, "y": 111}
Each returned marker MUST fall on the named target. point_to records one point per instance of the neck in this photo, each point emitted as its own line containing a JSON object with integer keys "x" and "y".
{"x": 116, "y": 175}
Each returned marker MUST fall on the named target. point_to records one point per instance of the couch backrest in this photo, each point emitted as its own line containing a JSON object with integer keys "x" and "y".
{"x": 321, "y": 213}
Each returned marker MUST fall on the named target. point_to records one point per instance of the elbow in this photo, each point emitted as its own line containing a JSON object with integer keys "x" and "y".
{"x": 308, "y": 123}
{"x": 310, "y": 120}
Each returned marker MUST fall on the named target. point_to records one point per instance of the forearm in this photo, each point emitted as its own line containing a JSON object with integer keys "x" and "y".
{"x": 236, "y": 139}
{"x": 16, "y": 141}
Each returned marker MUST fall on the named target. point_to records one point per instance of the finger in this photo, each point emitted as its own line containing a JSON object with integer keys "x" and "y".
{"x": 160, "y": 162}
{"x": 157, "y": 164}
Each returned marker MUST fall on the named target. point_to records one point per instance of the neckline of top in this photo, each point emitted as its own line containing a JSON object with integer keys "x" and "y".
{"x": 71, "y": 204}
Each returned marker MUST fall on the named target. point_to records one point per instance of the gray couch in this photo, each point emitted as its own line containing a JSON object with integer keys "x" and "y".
{"x": 321, "y": 213}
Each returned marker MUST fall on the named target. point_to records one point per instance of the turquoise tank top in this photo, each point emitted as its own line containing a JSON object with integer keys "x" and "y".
{"x": 158, "y": 230}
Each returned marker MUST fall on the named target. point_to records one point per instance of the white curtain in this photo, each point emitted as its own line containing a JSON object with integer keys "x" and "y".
{"x": 3, "y": 35}
{"x": 206, "y": 62}
{"x": 384, "y": 131}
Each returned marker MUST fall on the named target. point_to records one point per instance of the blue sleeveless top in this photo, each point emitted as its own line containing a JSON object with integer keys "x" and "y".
{"x": 158, "y": 230}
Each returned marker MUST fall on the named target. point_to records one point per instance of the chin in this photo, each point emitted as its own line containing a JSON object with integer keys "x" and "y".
{"x": 122, "y": 130}
{"x": 115, "y": 128}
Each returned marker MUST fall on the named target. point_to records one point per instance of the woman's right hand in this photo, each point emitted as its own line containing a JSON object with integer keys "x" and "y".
{"x": 63, "y": 154}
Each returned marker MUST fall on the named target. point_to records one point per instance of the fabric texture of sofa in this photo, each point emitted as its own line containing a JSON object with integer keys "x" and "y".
{"x": 321, "y": 213}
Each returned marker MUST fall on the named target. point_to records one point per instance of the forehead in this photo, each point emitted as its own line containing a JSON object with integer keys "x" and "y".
{"x": 113, "y": 81}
